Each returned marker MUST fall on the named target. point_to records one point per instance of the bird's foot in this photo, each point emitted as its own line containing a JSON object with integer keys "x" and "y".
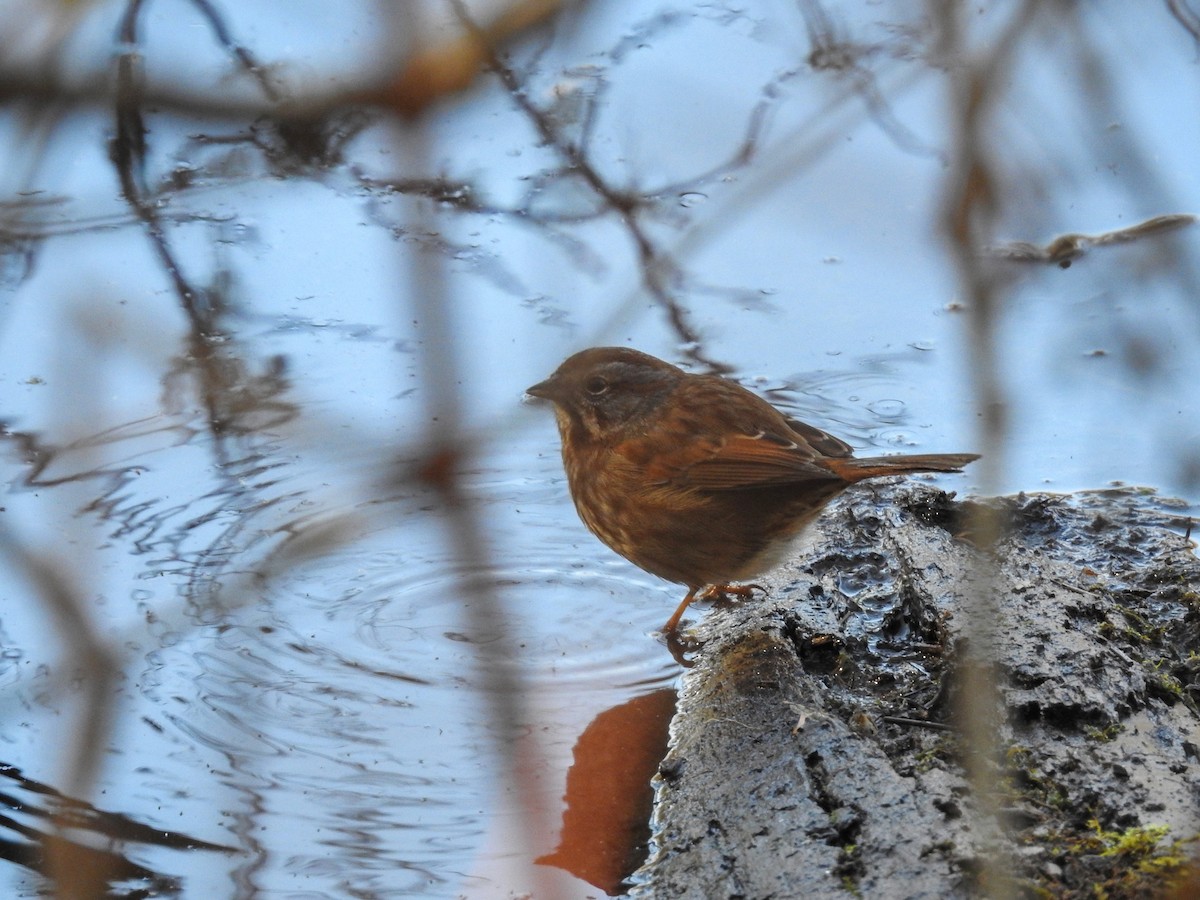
{"x": 717, "y": 592}
{"x": 682, "y": 648}
{"x": 720, "y": 592}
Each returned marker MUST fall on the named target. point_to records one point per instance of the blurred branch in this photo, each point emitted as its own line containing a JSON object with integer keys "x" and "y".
{"x": 437, "y": 72}
{"x": 972, "y": 205}
{"x": 1066, "y": 248}
{"x": 441, "y": 469}
{"x": 1185, "y": 16}
{"x": 408, "y": 87}
{"x": 92, "y": 656}
{"x": 95, "y": 669}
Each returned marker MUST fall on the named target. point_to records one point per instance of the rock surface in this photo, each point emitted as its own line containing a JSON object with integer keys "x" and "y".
{"x": 815, "y": 752}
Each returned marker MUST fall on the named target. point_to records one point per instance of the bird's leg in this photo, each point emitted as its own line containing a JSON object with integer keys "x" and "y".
{"x": 673, "y": 622}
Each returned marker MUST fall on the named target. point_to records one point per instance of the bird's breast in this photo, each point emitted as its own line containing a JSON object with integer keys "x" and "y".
{"x": 677, "y": 533}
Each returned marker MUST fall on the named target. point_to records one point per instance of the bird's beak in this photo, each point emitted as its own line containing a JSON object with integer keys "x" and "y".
{"x": 543, "y": 390}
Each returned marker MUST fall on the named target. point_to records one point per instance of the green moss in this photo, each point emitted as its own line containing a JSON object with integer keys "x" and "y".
{"x": 1168, "y": 685}
{"x": 1137, "y": 629}
{"x": 849, "y": 866}
{"x": 1106, "y": 734}
{"x": 1022, "y": 782}
{"x": 1137, "y": 841}
{"x": 941, "y": 750}
{"x": 1139, "y": 862}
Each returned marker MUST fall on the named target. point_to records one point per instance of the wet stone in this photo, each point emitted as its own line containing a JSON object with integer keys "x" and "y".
{"x": 816, "y": 749}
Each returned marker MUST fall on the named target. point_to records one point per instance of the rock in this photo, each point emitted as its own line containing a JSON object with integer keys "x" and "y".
{"x": 816, "y": 751}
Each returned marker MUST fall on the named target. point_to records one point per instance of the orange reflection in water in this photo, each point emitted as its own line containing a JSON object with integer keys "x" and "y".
{"x": 606, "y": 823}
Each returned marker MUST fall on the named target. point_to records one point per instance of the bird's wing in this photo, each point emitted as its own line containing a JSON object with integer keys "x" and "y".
{"x": 738, "y": 462}
{"x": 821, "y": 441}
{"x": 721, "y": 437}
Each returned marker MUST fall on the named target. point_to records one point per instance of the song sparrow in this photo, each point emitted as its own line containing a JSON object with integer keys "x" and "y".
{"x": 692, "y": 477}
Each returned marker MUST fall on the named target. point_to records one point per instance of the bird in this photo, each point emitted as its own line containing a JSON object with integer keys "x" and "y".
{"x": 693, "y": 477}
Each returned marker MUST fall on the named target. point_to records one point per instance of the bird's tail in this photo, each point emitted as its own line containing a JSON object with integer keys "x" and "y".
{"x": 878, "y": 466}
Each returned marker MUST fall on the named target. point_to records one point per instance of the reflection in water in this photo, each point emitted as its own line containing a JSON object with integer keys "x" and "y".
{"x": 39, "y": 825}
{"x": 606, "y": 825}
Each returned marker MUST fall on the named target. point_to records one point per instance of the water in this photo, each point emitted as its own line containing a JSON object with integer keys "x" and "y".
{"x": 304, "y": 673}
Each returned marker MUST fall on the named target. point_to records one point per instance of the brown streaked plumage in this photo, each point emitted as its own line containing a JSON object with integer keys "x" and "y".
{"x": 692, "y": 477}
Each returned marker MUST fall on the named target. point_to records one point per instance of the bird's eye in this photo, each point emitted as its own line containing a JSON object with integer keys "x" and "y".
{"x": 596, "y": 385}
